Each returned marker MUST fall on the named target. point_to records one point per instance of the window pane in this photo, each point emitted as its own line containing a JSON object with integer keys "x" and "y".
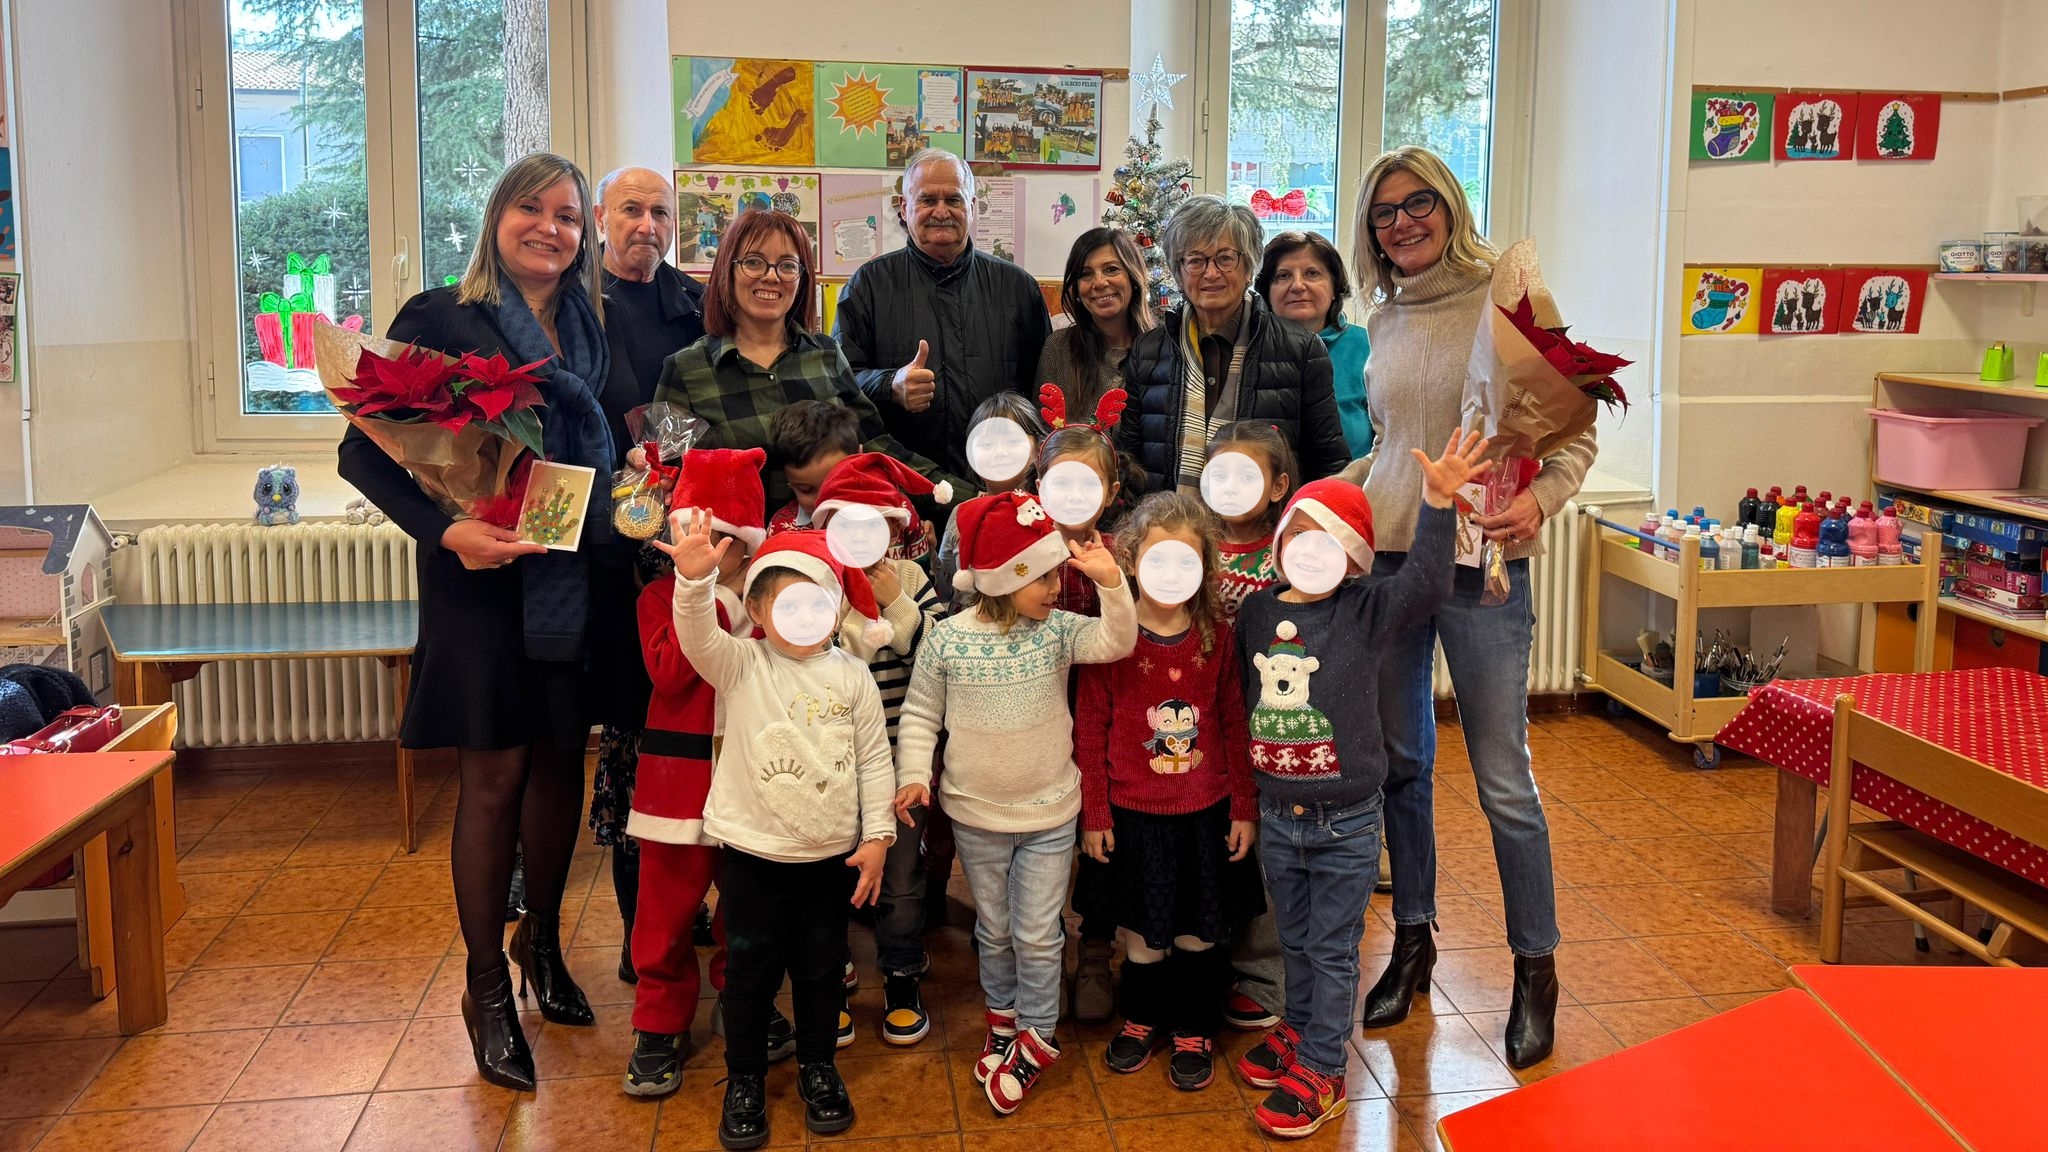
{"x": 1440, "y": 86}
{"x": 1286, "y": 57}
{"x": 302, "y": 203}
{"x": 483, "y": 94}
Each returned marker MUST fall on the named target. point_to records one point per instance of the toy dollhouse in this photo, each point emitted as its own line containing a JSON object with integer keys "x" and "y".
{"x": 54, "y": 578}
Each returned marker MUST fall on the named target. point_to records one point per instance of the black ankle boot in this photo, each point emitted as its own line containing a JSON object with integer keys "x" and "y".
{"x": 515, "y": 896}
{"x": 627, "y": 973}
{"x": 537, "y": 949}
{"x": 1406, "y": 977}
{"x": 1532, "y": 1016}
{"x": 827, "y": 1107}
{"x": 744, "y": 1121}
{"x": 495, "y": 1038}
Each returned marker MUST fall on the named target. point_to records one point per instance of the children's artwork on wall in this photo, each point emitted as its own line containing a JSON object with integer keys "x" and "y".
{"x": 1898, "y": 126}
{"x": 708, "y": 202}
{"x": 10, "y": 289}
{"x": 858, "y": 220}
{"x": 995, "y": 225}
{"x": 1720, "y": 301}
{"x": 1802, "y": 301}
{"x": 1885, "y": 300}
{"x": 744, "y": 111}
{"x": 877, "y": 115}
{"x": 6, "y": 204}
{"x": 1054, "y": 211}
{"x": 1815, "y": 125}
{"x": 1035, "y": 119}
{"x": 1731, "y": 125}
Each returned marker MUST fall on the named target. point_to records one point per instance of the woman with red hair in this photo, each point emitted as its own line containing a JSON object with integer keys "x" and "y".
{"x": 760, "y": 351}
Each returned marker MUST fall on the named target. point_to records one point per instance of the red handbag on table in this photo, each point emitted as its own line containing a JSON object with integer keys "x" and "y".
{"x": 74, "y": 730}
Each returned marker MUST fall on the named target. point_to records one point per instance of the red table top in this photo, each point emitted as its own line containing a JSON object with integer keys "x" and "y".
{"x": 1776, "y": 1073}
{"x": 1995, "y": 716}
{"x": 41, "y": 796}
{"x": 1967, "y": 1040}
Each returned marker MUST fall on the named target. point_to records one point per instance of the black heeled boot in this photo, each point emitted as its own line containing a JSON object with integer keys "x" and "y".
{"x": 537, "y": 949}
{"x": 515, "y": 896}
{"x": 627, "y": 973}
{"x": 1406, "y": 977}
{"x": 1532, "y": 1016}
{"x": 495, "y": 1038}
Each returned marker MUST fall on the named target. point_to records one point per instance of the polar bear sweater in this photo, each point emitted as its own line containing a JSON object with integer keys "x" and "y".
{"x": 1002, "y": 699}
{"x": 1312, "y": 673}
{"x": 804, "y": 771}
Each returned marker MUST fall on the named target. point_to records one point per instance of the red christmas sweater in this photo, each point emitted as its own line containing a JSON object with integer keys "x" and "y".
{"x": 1247, "y": 568}
{"x": 674, "y": 773}
{"x": 1077, "y": 591}
{"x": 908, "y": 543}
{"x": 1163, "y": 731}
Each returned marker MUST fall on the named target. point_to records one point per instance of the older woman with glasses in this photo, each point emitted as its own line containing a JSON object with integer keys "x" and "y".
{"x": 1426, "y": 270}
{"x": 1223, "y": 356}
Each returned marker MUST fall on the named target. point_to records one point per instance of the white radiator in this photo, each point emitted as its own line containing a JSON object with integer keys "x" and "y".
{"x": 277, "y": 701}
{"x": 1557, "y": 585}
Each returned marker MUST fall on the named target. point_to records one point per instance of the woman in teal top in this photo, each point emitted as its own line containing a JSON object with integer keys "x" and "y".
{"x": 1302, "y": 278}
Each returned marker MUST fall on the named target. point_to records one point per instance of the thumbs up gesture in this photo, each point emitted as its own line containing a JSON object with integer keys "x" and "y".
{"x": 914, "y": 382}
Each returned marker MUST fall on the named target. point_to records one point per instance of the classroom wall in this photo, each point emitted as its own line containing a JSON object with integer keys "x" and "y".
{"x": 102, "y": 212}
{"x": 631, "y": 118}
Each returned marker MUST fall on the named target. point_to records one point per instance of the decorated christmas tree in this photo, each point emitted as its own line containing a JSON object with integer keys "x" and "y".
{"x": 1897, "y": 138}
{"x": 1147, "y": 190}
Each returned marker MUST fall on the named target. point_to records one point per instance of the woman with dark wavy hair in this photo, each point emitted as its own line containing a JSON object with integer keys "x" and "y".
{"x": 1104, "y": 294}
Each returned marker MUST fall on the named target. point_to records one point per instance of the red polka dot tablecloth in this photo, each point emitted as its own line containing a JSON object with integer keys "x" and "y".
{"x": 1995, "y": 716}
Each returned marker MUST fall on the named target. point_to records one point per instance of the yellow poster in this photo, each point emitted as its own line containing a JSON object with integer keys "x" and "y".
{"x": 1720, "y": 301}
{"x": 744, "y": 111}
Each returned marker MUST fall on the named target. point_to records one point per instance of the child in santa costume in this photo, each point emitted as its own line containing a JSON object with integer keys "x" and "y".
{"x": 678, "y": 862}
{"x": 1311, "y": 680}
{"x": 994, "y": 675}
{"x": 800, "y": 798}
{"x": 870, "y": 494}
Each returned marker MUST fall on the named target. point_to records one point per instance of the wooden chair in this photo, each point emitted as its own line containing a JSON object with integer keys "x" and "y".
{"x": 1854, "y": 854}
{"x": 143, "y": 730}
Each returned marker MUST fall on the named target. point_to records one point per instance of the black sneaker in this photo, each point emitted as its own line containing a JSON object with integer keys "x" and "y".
{"x": 1131, "y": 1049}
{"x": 1193, "y": 1063}
{"x": 845, "y": 1036}
{"x": 827, "y": 1107}
{"x": 903, "y": 1016}
{"x": 850, "y": 978}
{"x": 656, "y": 1067}
{"x": 743, "y": 1123}
{"x": 781, "y": 1033}
{"x": 700, "y": 930}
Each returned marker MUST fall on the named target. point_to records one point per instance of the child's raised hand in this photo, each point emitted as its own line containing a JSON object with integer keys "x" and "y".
{"x": 1243, "y": 834}
{"x": 868, "y": 858}
{"x": 693, "y": 552}
{"x": 1096, "y": 562}
{"x": 886, "y": 584}
{"x": 1098, "y": 845}
{"x": 911, "y": 796}
{"x": 1460, "y": 465}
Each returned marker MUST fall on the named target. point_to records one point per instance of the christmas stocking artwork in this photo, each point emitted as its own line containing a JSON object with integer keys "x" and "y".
{"x": 1289, "y": 736}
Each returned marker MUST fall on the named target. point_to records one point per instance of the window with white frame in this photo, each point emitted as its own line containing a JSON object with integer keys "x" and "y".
{"x": 343, "y": 150}
{"x": 1314, "y": 89}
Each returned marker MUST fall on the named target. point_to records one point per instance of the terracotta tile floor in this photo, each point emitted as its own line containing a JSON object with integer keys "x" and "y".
{"x": 316, "y": 978}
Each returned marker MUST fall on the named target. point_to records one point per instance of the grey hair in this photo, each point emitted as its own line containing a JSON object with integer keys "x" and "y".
{"x": 1208, "y": 217}
{"x": 924, "y": 156}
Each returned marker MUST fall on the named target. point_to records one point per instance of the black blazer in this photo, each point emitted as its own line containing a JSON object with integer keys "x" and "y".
{"x": 682, "y": 324}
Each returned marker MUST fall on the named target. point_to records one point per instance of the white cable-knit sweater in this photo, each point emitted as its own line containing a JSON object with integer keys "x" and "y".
{"x": 1415, "y": 390}
{"x": 1002, "y": 699}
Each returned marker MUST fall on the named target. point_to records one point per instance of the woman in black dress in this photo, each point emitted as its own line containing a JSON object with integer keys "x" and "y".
{"x": 499, "y": 671}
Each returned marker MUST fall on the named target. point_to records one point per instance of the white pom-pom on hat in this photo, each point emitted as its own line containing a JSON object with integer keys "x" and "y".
{"x": 1284, "y": 630}
{"x": 963, "y": 580}
{"x": 877, "y": 633}
{"x": 942, "y": 492}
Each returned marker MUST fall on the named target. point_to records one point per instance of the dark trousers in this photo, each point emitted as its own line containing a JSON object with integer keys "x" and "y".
{"x": 782, "y": 918}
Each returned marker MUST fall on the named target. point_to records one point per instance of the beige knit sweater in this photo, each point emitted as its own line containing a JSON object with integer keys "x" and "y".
{"x": 1415, "y": 391}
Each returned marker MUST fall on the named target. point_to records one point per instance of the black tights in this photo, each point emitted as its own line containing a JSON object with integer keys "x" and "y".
{"x": 527, "y": 799}
{"x": 626, "y": 878}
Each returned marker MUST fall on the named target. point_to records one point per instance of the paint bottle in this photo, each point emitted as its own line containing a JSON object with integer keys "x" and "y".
{"x": 1651, "y": 523}
{"x": 1781, "y": 532}
{"x": 1668, "y": 536}
{"x": 1888, "y": 550}
{"x": 1798, "y": 496}
{"x": 1731, "y": 548}
{"x": 1805, "y": 538}
{"x": 1834, "y": 539}
{"x": 1745, "y": 510}
{"x": 1824, "y": 503}
{"x": 1710, "y": 549}
{"x": 1863, "y": 538}
{"x": 1692, "y": 533}
{"x": 1767, "y": 553}
{"x": 1699, "y": 515}
{"x": 1751, "y": 553}
{"x": 1767, "y": 511}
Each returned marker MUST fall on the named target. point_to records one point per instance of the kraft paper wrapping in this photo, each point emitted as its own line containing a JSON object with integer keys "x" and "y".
{"x": 1525, "y": 406}
{"x": 458, "y": 469}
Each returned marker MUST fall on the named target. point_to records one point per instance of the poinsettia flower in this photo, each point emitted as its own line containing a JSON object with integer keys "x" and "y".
{"x": 1590, "y": 370}
{"x": 494, "y": 387}
{"x": 415, "y": 381}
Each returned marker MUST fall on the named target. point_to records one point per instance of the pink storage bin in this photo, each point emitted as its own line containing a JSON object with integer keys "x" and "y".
{"x": 1953, "y": 448}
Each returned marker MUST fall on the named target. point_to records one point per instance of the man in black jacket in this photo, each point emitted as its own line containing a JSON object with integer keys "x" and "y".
{"x": 938, "y": 327}
{"x": 652, "y": 310}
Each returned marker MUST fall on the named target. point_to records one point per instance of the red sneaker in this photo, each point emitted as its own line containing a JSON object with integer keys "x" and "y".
{"x": 1265, "y": 1063}
{"x": 1002, "y": 1035}
{"x": 1242, "y": 1012}
{"x": 1301, "y": 1104}
{"x": 1029, "y": 1057}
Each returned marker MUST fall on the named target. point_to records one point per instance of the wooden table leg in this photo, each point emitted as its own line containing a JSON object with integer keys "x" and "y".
{"x": 1792, "y": 846}
{"x": 401, "y": 683}
{"x": 136, "y": 685}
{"x": 138, "y": 918}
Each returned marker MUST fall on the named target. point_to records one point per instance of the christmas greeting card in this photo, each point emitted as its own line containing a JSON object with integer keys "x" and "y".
{"x": 1802, "y": 301}
{"x": 1731, "y": 125}
{"x": 1883, "y": 299}
{"x": 1898, "y": 126}
{"x": 557, "y": 501}
{"x": 1720, "y": 301}
{"x": 1815, "y": 126}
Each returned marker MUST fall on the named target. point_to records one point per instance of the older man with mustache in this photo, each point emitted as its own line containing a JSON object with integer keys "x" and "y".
{"x": 938, "y": 327}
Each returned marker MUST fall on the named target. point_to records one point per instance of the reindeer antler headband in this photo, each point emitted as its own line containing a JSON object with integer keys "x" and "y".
{"x": 1108, "y": 410}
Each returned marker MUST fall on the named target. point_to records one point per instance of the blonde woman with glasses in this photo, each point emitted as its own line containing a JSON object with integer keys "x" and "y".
{"x": 1425, "y": 270}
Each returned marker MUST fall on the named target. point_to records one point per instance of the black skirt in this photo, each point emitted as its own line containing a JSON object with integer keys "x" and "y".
{"x": 472, "y": 683}
{"x": 1172, "y": 876}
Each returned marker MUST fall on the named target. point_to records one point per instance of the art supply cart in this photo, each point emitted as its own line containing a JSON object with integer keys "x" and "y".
{"x": 1615, "y": 550}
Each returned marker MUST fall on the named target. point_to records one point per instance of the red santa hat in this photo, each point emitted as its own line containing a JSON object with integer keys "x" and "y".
{"x": 1006, "y": 542}
{"x": 879, "y": 481}
{"x": 1340, "y": 509}
{"x": 727, "y": 483}
{"x": 808, "y": 553}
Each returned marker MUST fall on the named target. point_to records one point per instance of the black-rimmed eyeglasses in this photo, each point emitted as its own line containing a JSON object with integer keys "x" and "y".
{"x": 1415, "y": 207}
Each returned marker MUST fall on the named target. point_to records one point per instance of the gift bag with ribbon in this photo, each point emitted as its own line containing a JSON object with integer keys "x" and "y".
{"x": 640, "y": 491}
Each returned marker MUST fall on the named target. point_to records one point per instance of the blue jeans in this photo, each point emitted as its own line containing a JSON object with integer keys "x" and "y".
{"x": 1488, "y": 652}
{"x": 1321, "y": 864}
{"x": 1019, "y": 880}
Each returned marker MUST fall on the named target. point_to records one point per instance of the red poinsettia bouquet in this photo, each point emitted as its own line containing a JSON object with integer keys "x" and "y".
{"x": 466, "y": 427}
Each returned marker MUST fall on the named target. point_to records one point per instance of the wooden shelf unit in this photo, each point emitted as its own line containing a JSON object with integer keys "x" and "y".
{"x": 2026, "y": 282}
{"x": 1694, "y": 720}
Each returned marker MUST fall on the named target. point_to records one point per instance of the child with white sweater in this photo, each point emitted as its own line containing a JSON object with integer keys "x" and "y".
{"x": 995, "y": 677}
{"x": 800, "y": 794}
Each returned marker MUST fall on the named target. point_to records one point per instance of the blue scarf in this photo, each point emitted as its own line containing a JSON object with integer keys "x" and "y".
{"x": 573, "y": 431}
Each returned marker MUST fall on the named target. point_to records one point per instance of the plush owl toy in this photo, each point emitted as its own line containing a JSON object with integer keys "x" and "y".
{"x": 277, "y": 495}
